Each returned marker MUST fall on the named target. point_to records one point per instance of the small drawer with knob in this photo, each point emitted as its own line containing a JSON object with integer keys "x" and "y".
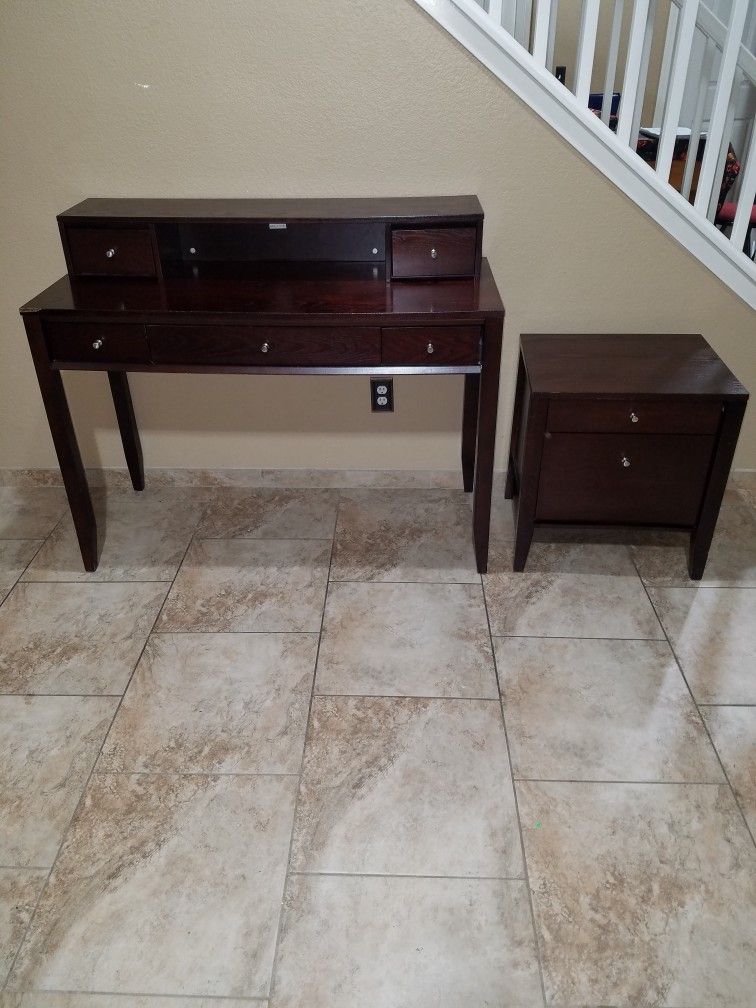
{"x": 652, "y": 479}
{"x": 636, "y": 416}
{"x": 433, "y": 252}
{"x": 109, "y": 251}
{"x": 96, "y": 344}
{"x": 433, "y": 346}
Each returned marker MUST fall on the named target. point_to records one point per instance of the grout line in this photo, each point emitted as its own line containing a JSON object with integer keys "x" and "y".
{"x": 276, "y": 946}
{"x": 67, "y": 829}
{"x": 697, "y": 707}
{"x": 402, "y": 696}
{"x": 536, "y": 937}
{"x": 191, "y": 773}
{"x": 598, "y": 780}
{"x": 23, "y": 867}
{"x": 250, "y": 998}
{"x": 95, "y": 581}
{"x": 727, "y": 705}
{"x": 368, "y": 581}
{"x": 408, "y": 875}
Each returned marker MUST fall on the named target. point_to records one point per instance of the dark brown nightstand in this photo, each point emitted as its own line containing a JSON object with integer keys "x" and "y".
{"x": 622, "y": 430}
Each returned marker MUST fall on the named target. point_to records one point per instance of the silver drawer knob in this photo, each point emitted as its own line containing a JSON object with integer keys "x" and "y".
{"x": 634, "y": 418}
{"x": 265, "y": 347}
{"x": 109, "y": 253}
{"x": 430, "y": 348}
{"x": 625, "y": 461}
{"x": 97, "y": 344}
{"x": 434, "y": 254}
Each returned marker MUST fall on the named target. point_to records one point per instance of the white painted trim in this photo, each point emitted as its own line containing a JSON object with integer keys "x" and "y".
{"x": 678, "y": 72}
{"x": 508, "y": 61}
{"x": 586, "y": 50}
{"x": 747, "y": 195}
{"x": 633, "y": 63}
{"x": 611, "y": 61}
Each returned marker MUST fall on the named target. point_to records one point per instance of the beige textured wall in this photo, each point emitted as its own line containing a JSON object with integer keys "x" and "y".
{"x": 345, "y": 97}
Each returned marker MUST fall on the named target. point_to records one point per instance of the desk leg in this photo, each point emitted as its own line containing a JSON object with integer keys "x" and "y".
{"x": 124, "y": 408}
{"x": 486, "y": 440}
{"x": 66, "y": 447}
{"x": 469, "y": 429}
{"x": 702, "y": 534}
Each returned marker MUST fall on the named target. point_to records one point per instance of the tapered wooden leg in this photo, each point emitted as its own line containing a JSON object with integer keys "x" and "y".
{"x": 702, "y": 534}
{"x": 488, "y": 402}
{"x": 510, "y": 486}
{"x": 469, "y": 429}
{"x": 124, "y": 408}
{"x": 66, "y": 446}
{"x": 535, "y": 410}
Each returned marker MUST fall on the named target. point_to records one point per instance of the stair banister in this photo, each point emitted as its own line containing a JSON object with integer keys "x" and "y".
{"x": 686, "y": 26}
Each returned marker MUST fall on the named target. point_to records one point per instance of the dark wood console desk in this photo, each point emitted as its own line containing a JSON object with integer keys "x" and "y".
{"x": 342, "y": 286}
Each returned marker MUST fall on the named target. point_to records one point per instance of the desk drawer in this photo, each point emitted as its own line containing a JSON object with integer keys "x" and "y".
{"x": 96, "y": 343}
{"x": 635, "y": 416}
{"x": 431, "y": 345}
{"x": 111, "y": 251}
{"x": 623, "y": 478}
{"x": 433, "y": 252}
{"x": 265, "y": 346}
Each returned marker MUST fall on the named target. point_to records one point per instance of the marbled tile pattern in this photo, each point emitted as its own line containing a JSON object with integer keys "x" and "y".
{"x": 379, "y": 779}
{"x": 19, "y": 892}
{"x": 713, "y": 633}
{"x": 229, "y": 585}
{"x": 600, "y": 710}
{"x": 74, "y": 638}
{"x": 270, "y": 514}
{"x": 460, "y": 943}
{"x": 344, "y": 747}
{"x": 48, "y": 746}
{"x": 151, "y": 892}
{"x": 230, "y": 703}
{"x": 644, "y": 893}
{"x": 406, "y": 640}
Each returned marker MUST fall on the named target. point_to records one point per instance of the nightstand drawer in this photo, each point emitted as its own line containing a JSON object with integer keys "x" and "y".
{"x": 616, "y": 478}
{"x": 636, "y": 416}
{"x": 111, "y": 251}
{"x": 431, "y": 345}
{"x": 433, "y": 252}
{"x": 265, "y": 346}
{"x": 95, "y": 343}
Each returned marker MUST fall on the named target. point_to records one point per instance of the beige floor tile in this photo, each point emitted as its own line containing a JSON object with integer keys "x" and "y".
{"x": 228, "y": 585}
{"x": 733, "y": 730}
{"x": 28, "y": 513}
{"x": 270, "y": 514}
{"x": 404, "y": 535}
{"x": 226, "y": 703}
{"x": 569, "y": 590}
{"x": 732, "y": 557}
{"x": 406, "y": 639}
{"x": 643, "y": 894}
{"x": 744, "y": 481}
{"x": 15, "y": 554}
{"x": 57, "y": 999}
{"x": 406, "y": 787}
{"x": 600, "y": 710}
{"x": 19, "y": 891}
{"x": 390, "y": 942}
{"x": 141, "y": 538}
{"x": 74, "y": 638}
{"x": 167, "y": 885}
{"x": 713, "y": 632}
{"x": 48, "y": 746}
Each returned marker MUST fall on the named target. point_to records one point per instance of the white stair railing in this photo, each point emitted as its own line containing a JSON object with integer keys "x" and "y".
{"x": 694, "y": 95}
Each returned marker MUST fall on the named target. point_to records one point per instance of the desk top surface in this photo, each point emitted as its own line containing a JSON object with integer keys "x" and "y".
{"x": 324, "y": 290}
{"x": 612, "y": 365}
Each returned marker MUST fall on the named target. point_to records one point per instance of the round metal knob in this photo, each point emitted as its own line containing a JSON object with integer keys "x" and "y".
{"x": 634, "y": 417}
{"x": 97, "y": 344}
{"x": 625, "y": 462}
{"x": 430, "y": 348}
{"x": 265, "y": 347}
{"x": 192, "y": 250}
{"x": 375, "y": 251}
{"x": 434, "y": 254}
{"x": 109, "y": 253}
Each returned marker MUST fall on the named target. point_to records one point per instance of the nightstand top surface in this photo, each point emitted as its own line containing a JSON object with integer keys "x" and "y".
{"x": 615, "y": 365}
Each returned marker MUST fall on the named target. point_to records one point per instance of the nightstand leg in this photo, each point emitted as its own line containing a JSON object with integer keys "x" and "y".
{"x": 486, "y": 440}
{"x": 124, "y": 408}
{"x": 530, "y": 469}
{"x": 66, "y": 447}
{"x": 469, "y": 429}
{"x": 510, "y": 487}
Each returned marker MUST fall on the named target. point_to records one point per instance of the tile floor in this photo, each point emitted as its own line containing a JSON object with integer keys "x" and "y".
{"x": 286, "y": 748}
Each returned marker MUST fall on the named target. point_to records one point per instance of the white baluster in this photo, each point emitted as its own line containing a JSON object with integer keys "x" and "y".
{"x": 522, "y": 17}
{"x": 707, "y": 63}
{"x": 632, "y": 70}
{"x": 611, "y": 60}
{"x": 718, "y": 122}
{"x": 676, "y": 91}
{"x": 586, "y": 49}
{"x": 643, "y": 77}
{"x": 724, "y": 147}
{"x": 541, "y": 30}
{"x": 552, "y": 35}
{"x": 666, "y": 64}
{"x": 495, "y": 10}
{"x": 747, "y": 193}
